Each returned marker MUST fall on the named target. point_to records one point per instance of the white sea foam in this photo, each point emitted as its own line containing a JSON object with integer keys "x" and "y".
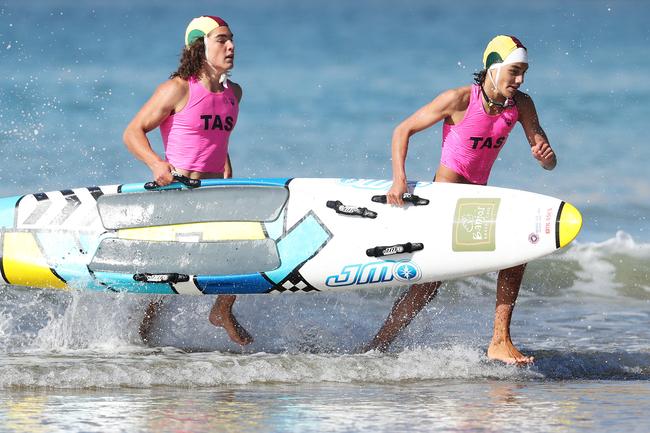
{"x": 85, "y": 369}
{"x": 5, "y": 324}
{"x": 169, "y": 367}
{"x": 613, "y": 267}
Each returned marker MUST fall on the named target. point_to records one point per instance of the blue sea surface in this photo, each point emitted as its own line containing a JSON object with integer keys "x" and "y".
{"x": 325, "y": 83}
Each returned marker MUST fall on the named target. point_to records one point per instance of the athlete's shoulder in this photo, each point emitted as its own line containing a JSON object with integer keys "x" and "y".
{"x": 236, "y": 89}
{"x": 458, "y": 92}
{"x": 171, "y": 92}
{"x": 522, "y": 98}
{"x": 174, "y": 86}
{"x": 524, "y": 101}
{"x": 457, "y": 98}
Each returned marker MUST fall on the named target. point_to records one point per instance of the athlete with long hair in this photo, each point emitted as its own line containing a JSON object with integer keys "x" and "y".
{"x": 196, "y": 111}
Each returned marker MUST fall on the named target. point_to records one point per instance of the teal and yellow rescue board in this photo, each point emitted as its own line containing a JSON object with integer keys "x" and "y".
{"x": 272, "y": 235}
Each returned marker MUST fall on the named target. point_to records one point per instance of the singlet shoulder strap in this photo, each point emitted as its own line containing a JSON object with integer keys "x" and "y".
{"x": 474, "y": 97}
{"x": 195, "y": 84}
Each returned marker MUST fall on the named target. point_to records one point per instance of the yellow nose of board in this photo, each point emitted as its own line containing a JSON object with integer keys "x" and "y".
{"x": 570, "y": 222}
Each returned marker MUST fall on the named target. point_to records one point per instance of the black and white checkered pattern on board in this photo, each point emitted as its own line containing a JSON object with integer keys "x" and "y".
{"x": 294, "y": 282}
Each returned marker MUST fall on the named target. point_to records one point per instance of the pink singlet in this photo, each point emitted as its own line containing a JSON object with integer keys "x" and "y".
{"x": 471, "y": 147}
{"x": 196, "y": 138}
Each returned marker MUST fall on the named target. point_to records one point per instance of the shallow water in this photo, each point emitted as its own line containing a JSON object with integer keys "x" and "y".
{"x": 423, "y": 406}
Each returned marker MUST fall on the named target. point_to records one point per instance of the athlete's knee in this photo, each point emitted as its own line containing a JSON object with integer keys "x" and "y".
{"x": 513, "y": 272}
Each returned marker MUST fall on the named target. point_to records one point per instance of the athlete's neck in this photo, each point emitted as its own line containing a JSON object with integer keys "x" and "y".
{"x": 493, "y": 94}
{"x": 211, "y": 79}
{"x": 493, "y": 101}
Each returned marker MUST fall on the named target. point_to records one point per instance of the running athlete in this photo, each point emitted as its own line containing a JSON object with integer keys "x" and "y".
{"x": 196, "y": 111}
{"x": 477, "y": 122}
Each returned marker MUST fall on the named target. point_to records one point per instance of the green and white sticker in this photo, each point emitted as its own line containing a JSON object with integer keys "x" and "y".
{"x": 474, "y": 224}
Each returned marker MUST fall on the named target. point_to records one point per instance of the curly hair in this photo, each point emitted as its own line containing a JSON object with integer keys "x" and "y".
{"x": 192, "y": 59}
{"x": 479, "y": 77}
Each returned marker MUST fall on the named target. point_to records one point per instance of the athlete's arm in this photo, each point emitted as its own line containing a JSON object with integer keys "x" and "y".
{"x": 539, "y": 145}
{"x": 168, "y": 98}
{"x": 236, "y": 89}
{"x": 227, "y": 170}
{"x": 443, "y": 106}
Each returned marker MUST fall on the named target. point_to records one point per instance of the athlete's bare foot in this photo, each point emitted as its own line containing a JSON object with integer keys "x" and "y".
{"x": 505, "y": 351}
{"x": 221, "y": 315}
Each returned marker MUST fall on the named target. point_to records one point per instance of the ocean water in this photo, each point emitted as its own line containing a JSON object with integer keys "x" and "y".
{"x": 324, "y": 85}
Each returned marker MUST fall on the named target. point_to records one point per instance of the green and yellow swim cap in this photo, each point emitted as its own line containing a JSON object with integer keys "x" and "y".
{"x": 503, "y": 50}
{"x": 201, "y": 26}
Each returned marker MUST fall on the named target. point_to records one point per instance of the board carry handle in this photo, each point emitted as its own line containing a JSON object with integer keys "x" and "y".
{"x": 407, "y": 197}
{"x": 350, "y": 210}
{"x": 190, "y": 183}
{"x": 161, "y": 278}
{"x": 381, "y": 251}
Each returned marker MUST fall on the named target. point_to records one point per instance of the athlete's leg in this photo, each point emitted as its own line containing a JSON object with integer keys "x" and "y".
{"x": 221, "y": 315}
{"x": 501, "y": 347}
{"x": 148, "y": 318}
{"x": 404, "y": 310}
{"x": 221, "y": 312}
